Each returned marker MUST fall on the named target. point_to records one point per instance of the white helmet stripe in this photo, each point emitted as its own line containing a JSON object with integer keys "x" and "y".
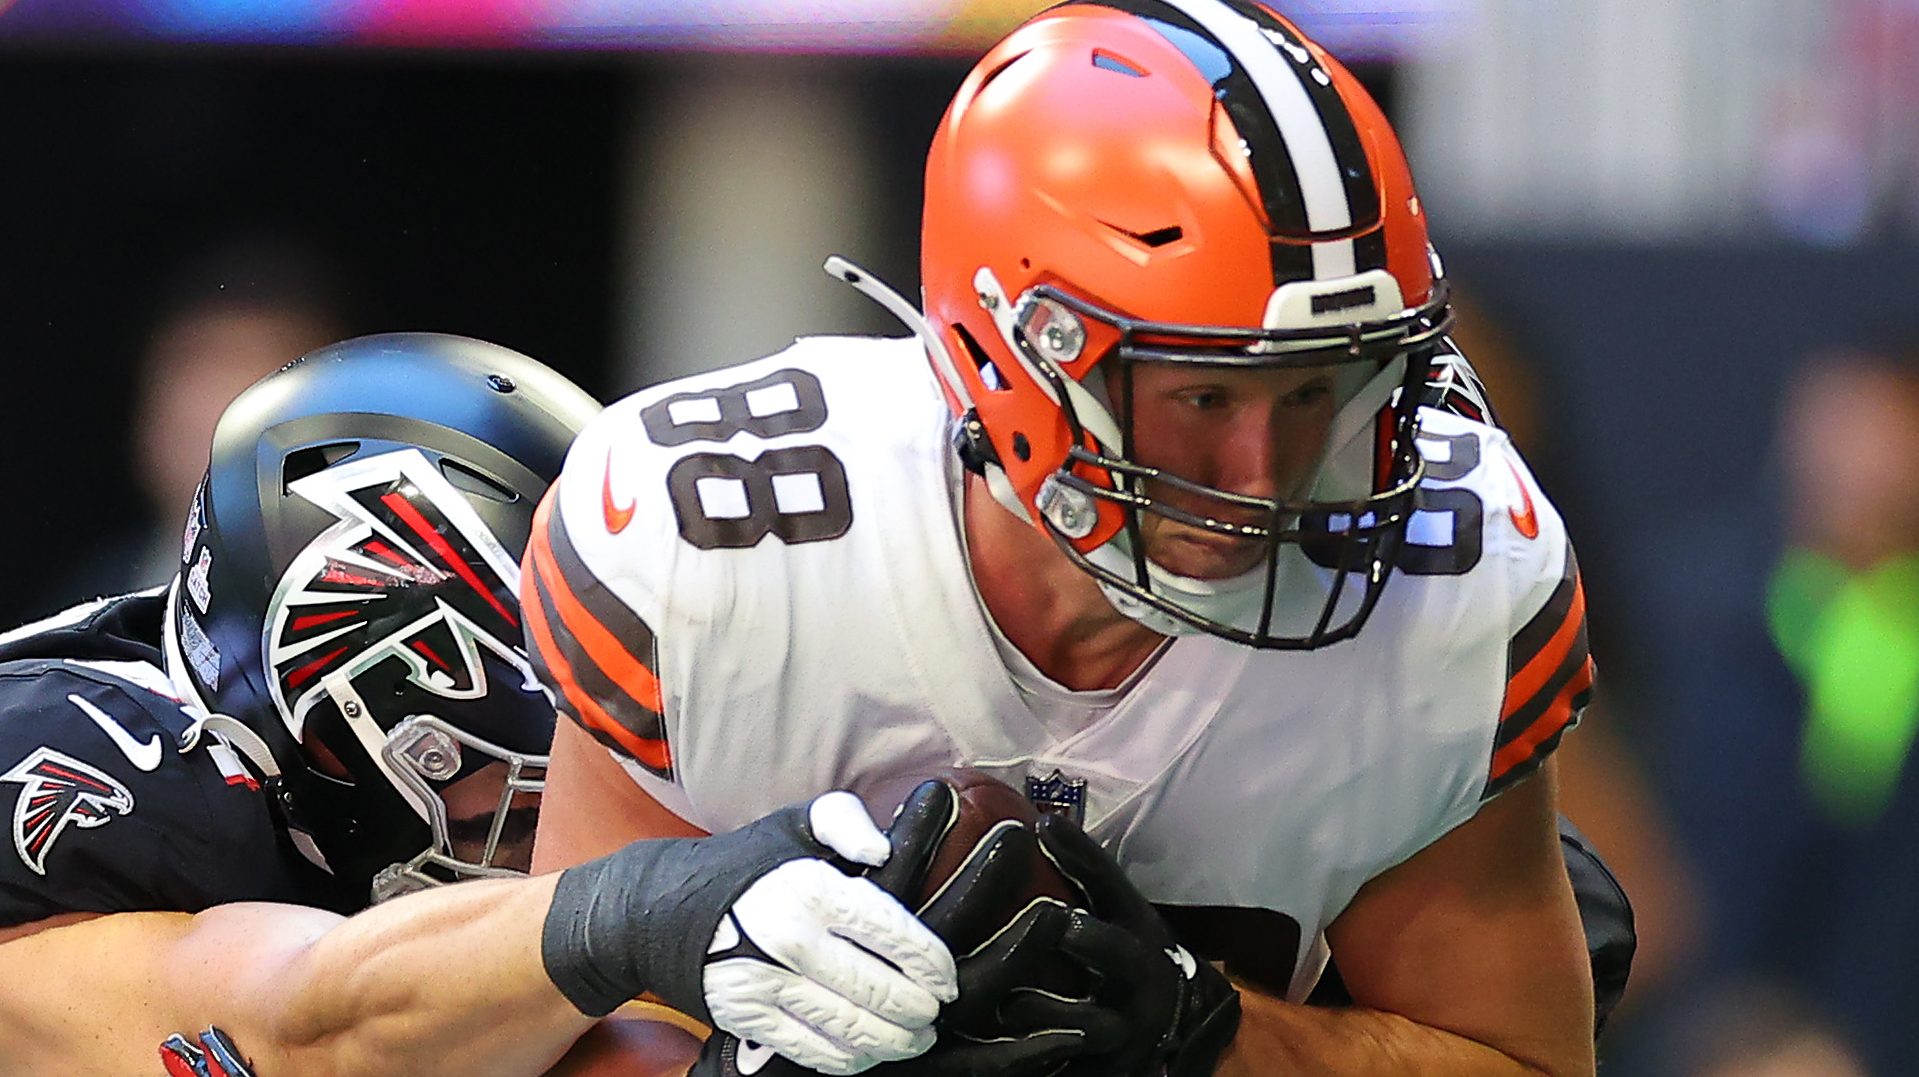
{"x": 1282, "y": 88}
{"x": 1332, "y": 261}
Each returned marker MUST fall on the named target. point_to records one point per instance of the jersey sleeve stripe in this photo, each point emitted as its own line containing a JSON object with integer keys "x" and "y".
{"x": 609, "y": 633}
{"x": 612, "y": 713}
{"x": 555, "y": 672}
{"x": 1524, "y": 754}
{"x": 606, "y": 665}
{"x": 579, "y": 705}
{"x": 1577, "y": 664}
{"x": 1551, "y": 676}
{"x": 1543, "y": 644}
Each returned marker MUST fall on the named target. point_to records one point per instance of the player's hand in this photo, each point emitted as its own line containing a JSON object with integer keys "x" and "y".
{"x": 1004, "y": 1023}
{"x": 1182, "y": 1011}
{"x": 1012, "y": 1015}
{"x": 759, "y": 934}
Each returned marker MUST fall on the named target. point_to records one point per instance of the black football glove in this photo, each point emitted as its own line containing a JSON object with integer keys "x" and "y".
{"x": 1181, "y": 1011}
{"x": 761, "y": 933}
{"x": 1004, "y": 1023}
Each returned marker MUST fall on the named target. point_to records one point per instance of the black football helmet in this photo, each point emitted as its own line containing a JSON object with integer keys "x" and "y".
{"x": 348, "y": 595}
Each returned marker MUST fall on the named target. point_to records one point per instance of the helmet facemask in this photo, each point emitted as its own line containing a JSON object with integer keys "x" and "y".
{"x": 1325, "y": 547}
{"x": 427, "y": 756}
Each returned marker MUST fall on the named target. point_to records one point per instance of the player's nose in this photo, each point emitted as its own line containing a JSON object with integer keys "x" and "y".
{"x": 1253, "y": 456}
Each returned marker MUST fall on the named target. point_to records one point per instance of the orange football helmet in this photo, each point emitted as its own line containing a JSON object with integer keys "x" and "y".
{"x": 1180, "y": 181}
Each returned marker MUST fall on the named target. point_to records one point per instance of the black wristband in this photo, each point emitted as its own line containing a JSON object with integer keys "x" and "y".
{"x": 641, "y": 919}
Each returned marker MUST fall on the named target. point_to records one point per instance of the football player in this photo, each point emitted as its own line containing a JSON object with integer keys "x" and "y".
{"x": 1164, "y": 535}
{"x": 330, "y": 707}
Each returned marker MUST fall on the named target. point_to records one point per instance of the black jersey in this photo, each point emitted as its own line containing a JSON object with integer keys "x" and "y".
{"x": 104, "y": 809}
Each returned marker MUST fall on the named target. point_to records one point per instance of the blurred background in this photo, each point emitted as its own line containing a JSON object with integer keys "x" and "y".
{"x": 1686, "y": 237}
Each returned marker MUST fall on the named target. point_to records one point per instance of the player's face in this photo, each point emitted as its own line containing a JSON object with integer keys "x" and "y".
{"x": 470, "y": 806}
{"x": 1255, "y": 432}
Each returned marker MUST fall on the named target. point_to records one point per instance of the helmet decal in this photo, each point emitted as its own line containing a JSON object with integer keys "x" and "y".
{"x": 408, "y": 573}
{"x": 1308, "y": 166}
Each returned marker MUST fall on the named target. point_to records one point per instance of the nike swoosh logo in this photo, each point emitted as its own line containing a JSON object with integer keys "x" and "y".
{"x": 617, "y": 516}
{"x": 1523, "y": 518}
{"x": 145, "y": 756}
{"x": 752, "y": 1057}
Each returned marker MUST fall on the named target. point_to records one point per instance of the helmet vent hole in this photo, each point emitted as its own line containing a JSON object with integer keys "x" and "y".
{"x": 997, "y": 72}
{"x": 987, "y": 371}
{"x": 1158, "y": 237}
{"x": 1106, "y": 61}
{"x": 314, "y": 459}
{"x": 469, "y": 481}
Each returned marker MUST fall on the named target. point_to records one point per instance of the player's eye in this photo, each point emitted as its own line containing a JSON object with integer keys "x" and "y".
{"x": 1208, "y": 398}
{"x": 1307, "y": 396}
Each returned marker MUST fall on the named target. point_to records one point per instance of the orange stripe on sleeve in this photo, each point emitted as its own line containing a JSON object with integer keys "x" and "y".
{"x": 1533, "y": 676}
{"x": 1548, "y": 725}
{"x": 653, "y": 753}
{"x": 605, "y": 649}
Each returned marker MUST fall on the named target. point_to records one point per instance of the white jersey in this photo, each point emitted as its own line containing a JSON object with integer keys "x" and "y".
{"x": 752, "y": 586}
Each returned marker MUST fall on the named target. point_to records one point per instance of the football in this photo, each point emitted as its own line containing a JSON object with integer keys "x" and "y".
{"x": 984, "y": 802}
{"x": 641, "y": 1039}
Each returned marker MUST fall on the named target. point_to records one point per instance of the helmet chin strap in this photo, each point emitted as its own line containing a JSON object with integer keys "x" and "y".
{"x": 225, "y": 728}
{"x": 944, "y": 368}
{"x": 872, "y": 288}
{"x": 1002, "y": 490}
{"x": 232, "y": 732}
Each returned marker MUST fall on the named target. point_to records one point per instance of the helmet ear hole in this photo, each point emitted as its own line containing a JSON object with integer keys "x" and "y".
{"x": 325, "y": 761}
{"x": 313, "y": 459}
{"x": 989, "y": 373}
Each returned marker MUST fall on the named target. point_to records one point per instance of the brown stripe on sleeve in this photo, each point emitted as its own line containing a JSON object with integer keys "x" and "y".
{"x": 594, "y": 651}
{"x": 1549, "y": 682}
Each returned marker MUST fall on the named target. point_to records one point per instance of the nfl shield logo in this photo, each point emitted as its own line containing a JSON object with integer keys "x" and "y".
{"x": 1057, "y": 794}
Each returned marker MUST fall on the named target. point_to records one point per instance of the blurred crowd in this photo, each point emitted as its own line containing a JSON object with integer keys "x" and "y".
{"x": 1746, "y": 768}
{"x": 1736, "y": 450}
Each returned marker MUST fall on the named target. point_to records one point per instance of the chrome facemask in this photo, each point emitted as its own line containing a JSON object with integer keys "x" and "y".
{"x": 1327, "y": 555}
{"x": 421, "y": 754}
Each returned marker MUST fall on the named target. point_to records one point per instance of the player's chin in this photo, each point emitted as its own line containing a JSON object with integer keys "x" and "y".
{"x": 1202, "y": 555}
{"x": 513, "y": 855}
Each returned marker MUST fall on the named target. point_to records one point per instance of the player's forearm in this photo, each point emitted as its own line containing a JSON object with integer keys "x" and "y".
{"x": 446, "y": 981}
{"x": 1278, "y": 1037}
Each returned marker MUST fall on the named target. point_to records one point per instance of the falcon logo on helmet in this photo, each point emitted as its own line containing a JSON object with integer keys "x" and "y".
{"x": 407, "y": 549}
{"x": 408, "y": 574}
{"x": 59, "y": 791}
{"x": 1131, "y": 182}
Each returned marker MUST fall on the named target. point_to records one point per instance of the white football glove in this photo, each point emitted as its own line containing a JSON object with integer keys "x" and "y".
{"x": 792, "y": 966}
{"x": 799, "y": 957}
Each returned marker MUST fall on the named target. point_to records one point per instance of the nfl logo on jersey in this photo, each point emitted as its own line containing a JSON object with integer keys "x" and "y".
{"x": 1056, "y": 794}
